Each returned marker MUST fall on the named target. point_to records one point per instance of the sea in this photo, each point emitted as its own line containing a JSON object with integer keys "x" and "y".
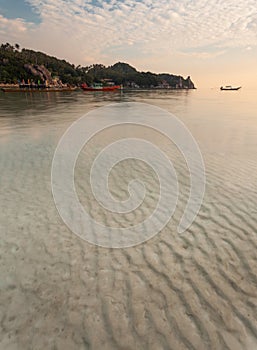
{"x": 62, "y": 287}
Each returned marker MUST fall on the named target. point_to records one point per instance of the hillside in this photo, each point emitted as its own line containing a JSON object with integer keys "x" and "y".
{"x": 17, "y": 64}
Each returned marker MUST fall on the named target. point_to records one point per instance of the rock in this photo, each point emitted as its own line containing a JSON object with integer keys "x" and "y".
{"x": 43, "y": 70}
{"x": 39, "y": 71}
{"x": 189, "y": 83}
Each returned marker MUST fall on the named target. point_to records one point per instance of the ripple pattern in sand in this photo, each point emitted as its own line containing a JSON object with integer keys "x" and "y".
{"x": 191, "y": 291}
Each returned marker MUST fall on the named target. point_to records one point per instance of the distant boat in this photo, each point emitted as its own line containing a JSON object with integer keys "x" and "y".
{"x": 100, "y": 87}
{"x": 229, "y": 87}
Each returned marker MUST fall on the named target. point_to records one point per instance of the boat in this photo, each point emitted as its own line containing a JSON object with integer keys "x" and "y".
{"x": 100, "y": 87}
{"x": 38, "y": 88}
{"x": 229, "y": 87}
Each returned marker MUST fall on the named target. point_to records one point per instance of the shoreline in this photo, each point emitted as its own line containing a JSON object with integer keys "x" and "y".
{"x": 16, "y": 88}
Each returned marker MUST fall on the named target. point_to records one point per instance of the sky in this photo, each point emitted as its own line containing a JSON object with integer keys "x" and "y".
{"x": 213, "y": 41}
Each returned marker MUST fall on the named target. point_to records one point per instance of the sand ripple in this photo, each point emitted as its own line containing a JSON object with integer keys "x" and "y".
{"x": 194, "y": 291}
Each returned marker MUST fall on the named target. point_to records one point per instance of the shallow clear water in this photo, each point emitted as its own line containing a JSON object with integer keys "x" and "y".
{"x": 191, "y": 291}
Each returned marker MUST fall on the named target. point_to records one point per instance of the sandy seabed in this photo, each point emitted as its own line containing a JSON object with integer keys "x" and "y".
{"x": 195, "y": 290}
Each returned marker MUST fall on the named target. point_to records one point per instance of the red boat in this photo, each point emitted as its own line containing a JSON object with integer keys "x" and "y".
{"x": 100, "y": 87}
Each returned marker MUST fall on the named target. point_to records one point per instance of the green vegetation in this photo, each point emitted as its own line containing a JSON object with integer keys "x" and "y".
{"x": 17, "y": 64}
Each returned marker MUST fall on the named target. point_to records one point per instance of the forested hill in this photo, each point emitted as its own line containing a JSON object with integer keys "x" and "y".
{"x": 17, "y": 64}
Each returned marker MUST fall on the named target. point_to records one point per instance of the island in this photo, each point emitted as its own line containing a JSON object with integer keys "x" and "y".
{"x": 23, "y": 66}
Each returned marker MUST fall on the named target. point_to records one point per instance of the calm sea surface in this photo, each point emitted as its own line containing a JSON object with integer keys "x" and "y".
{"x": 196, "y": 290}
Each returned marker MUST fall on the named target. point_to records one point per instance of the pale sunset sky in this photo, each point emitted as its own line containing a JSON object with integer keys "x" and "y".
{"x": 213, "y": 41}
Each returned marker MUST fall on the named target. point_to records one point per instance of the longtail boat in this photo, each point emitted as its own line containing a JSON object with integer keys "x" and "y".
{"x": 100, "y": 87}
{"x": 229, "y": 87}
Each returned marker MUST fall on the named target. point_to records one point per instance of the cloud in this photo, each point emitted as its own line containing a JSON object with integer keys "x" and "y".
{"x": 109, "y": 30}
{"x": 14, "y": 29}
